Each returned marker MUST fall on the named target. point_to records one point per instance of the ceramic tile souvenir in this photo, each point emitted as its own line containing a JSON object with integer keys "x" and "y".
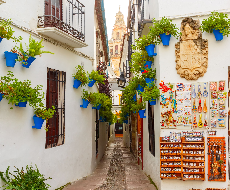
{"x": 222, "y": 95}
{"x": 221, "y": 85}
{"x": 213, "y": 123}
{"x": 214, "y": 113}
{"x": 205, "y": 93}
{"x": 187, "y": 120}
{"x": 214, "y": 95}
{"x": 199, "y": 93}
{"x": 187, "y": 87}
{"x": 180, "y": 120}
{"x": 193, "y": 92}
{"x": 187, "y": 95}
{"x": 223, "y": 113}
{"x": 221, "y": 122}
{"x": 222, "y": 104}
{"x": 179, "y": 87}
{"x": 213, "y": 86}
{"x": 213, "y": 104}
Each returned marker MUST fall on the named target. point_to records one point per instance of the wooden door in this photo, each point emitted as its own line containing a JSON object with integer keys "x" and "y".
{"x": 52, "y": 134}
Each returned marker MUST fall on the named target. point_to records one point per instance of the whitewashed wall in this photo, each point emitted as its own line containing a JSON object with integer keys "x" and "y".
{"x": 20, "y": 144}
{"x": 218, "y": 62}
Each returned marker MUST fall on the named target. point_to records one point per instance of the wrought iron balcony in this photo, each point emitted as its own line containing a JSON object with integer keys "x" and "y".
{"x": 64, "y": 20}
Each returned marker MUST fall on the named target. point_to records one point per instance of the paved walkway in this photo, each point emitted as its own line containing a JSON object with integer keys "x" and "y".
{"x": 117, "y": 170}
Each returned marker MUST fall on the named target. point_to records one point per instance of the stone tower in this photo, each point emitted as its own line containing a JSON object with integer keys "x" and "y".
{"x": 115, "y": 43}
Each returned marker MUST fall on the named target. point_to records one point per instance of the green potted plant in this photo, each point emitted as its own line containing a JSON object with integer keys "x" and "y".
{"x": 24, "y": 179}
{"x": 217, "y": 23}
{"x": 136, "y": 106}
{"x": 85, "y": 98}
{"x": 80, "y": 77}
{"x": 6, "y": 31}
{"x": 27, "y": 56}
{"x": 151, "y": 93}
{"x": 164, "y": 29}
{"x": 94, "y": 76}
{"x": 149, "y": 76}
{"x": 97, "y": 99}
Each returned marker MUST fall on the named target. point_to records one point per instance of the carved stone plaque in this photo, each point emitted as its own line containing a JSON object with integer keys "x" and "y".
{"x": 192, "y": 51}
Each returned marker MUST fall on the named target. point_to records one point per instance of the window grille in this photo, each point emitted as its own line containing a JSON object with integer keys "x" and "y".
{"x": 55, "y": 96}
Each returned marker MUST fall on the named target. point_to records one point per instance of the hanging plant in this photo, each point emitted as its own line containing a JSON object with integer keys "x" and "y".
{"x": 217, "y": 21}
{"x": 80, "y": 75}
{"x": 150, "y": 93}
{"x": 94, "y": 75}
{"x": 149, "y": 73}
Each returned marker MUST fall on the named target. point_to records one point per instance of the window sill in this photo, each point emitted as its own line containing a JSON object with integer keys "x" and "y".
{"x": 61, "y": 36}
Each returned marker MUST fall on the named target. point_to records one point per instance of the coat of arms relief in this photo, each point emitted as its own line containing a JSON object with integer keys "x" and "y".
{"x": 192, "y": 51}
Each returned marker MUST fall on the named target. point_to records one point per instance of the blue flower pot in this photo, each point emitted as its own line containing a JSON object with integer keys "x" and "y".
{"x": 76, "y": 83}
{"x": 85, "y": 103}
{"x": 150, "y": 50}
{"x": 1, "y": 39}
{"x": 152, "y": 102}
{"x": 148, "y": 64}
{"x": 29, "y": 61}
{"x": 38, "y": 121}
{"x": 1, "y": 96}
{"x": 102, "y": 119}
{"x": 149, "y": 81}
{"x": 165, "y": 39}
{"x": 218, "y": 35}
{"x": 98, "y": 107}
{"x": 125, "y": 121}
{"x": 140, "y": 89}
{"x": 10, "y": 58}
{"x": 142, "y": 113}
{"x": 127, "y": 115}
{"x": 135, "y": 97}
{"x": 91, "y": 82}
{"x": 21, "y": 104}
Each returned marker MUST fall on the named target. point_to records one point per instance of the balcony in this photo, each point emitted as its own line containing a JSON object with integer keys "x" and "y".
{"x": 64, "y": 21}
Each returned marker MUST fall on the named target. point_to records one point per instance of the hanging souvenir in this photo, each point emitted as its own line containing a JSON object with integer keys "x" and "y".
{"x": 200, "y": 124}
{"x": 194, "y": 108}
{"x": 214, "y": 113}
{"x": 213, "y": 123}
{"x": 206, "y": 122}
{"x": 194, "y": 125}
{"x": 193, "y": 92}
{"x": 221, "y": 85}
{"x": 205, "y": 107}
{"x": 221, "y": 104}
{"x": 199, "y": 94}
{"x": 213, "y": 86}
{"x": 213, "y": 104}
{"x": 222, "y": 95}
{"x": 205, "y": 93}
{"x": 221, "y": 122}
{"x": 199, "y": 107}
{"x": 187, "y": 120}
{"x": 179, "y": 87}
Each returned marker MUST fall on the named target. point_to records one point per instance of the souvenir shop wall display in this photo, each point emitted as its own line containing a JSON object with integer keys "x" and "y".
{"x": 184, "y": 105}
{"x": 218, "y": 109}
{"x": 168, "y": 105}
{"x": 216, "y": 159}
{"x": 200, "y": 105}
{"x": 182, "y": 156}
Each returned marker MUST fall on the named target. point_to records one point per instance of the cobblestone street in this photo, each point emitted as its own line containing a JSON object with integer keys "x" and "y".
{"x": 117, "y": 170}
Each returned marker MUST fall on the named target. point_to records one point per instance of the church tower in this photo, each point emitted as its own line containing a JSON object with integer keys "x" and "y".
{"x": 115, "y": 43}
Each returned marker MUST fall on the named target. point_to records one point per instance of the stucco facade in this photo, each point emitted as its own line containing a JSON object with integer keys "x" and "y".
{"x": 20, "y": 144}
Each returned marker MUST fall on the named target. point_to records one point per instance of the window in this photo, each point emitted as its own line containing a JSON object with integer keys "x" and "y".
{"x": 151, "y": 129}
{"x": 116, "y": 49}
{"x": 111, "y": 51}
{"x": 55, "y": 96}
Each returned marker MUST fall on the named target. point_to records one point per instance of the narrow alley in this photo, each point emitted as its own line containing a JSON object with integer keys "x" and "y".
{"x": 118, "y": 170}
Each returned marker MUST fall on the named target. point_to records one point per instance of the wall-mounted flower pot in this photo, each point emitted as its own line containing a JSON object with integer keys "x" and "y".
{"x": 218, "y": 35}
{"x": 85, "y": 103}
{"x": 1, "y": 39}
{"x": 76, "y": 83}
{"x": 21, "y": 104}
{"x": 127, "y": 115}
{"x": 140, "y": 89}
{"x": 150, "y": 50}
{"x": 149, "y": 82}
{"x": 10, "y": 58}
{"x": 125, "y": 121}
{"x": 135, "y": 97}
{"x": 29, "y": 61}
{"x": 152, "y": 102}
{"x": 98, "y": 107}
{"x": 38, "y": 121}
{"x": 1, "y": 96}
{"x": 102, "y": 119}
{"x": 91, "y": 82}
{"x": 165, "y": 39}
{"x": 148, "y": 64}
{"x": 142, "y": 113}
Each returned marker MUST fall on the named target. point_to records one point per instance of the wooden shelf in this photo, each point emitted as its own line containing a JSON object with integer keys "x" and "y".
{"x": 185, "y": 179}
{"x": 170, "y": 142}
{"x": 170, "y": 160}
{"x": 190, "y": 148}
{"x": 170, "y": 148}
{"x": 168, "y": 166}
{"x": 193, "y": 173}
{"x": 170, "y": 154}
{"x": 170, "y": 178}
{"x": 193, "y": 166}
{"x": 170, "y": 172}
{"x": 192, "y": 142}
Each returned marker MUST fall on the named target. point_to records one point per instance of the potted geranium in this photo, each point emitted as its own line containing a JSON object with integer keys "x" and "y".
{"x": 80, "y": 77}
{"x": 27, "y": 56}
{"x": 164, "y": 28}
{"x": 85, "y": 99}
{"x": 41, "y": 114}
{"x": 217, "y": 23}
{"x": 94, "y": 76}
{"x": 149, "y": 75}
{"x": 151, "y": 93}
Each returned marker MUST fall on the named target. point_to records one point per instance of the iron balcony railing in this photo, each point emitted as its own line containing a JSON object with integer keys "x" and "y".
{"x": 66, "y": 15}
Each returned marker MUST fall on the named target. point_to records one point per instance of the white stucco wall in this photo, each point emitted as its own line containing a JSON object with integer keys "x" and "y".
{"x": 20, "y": 144}
{"x": 218, "y": 62}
